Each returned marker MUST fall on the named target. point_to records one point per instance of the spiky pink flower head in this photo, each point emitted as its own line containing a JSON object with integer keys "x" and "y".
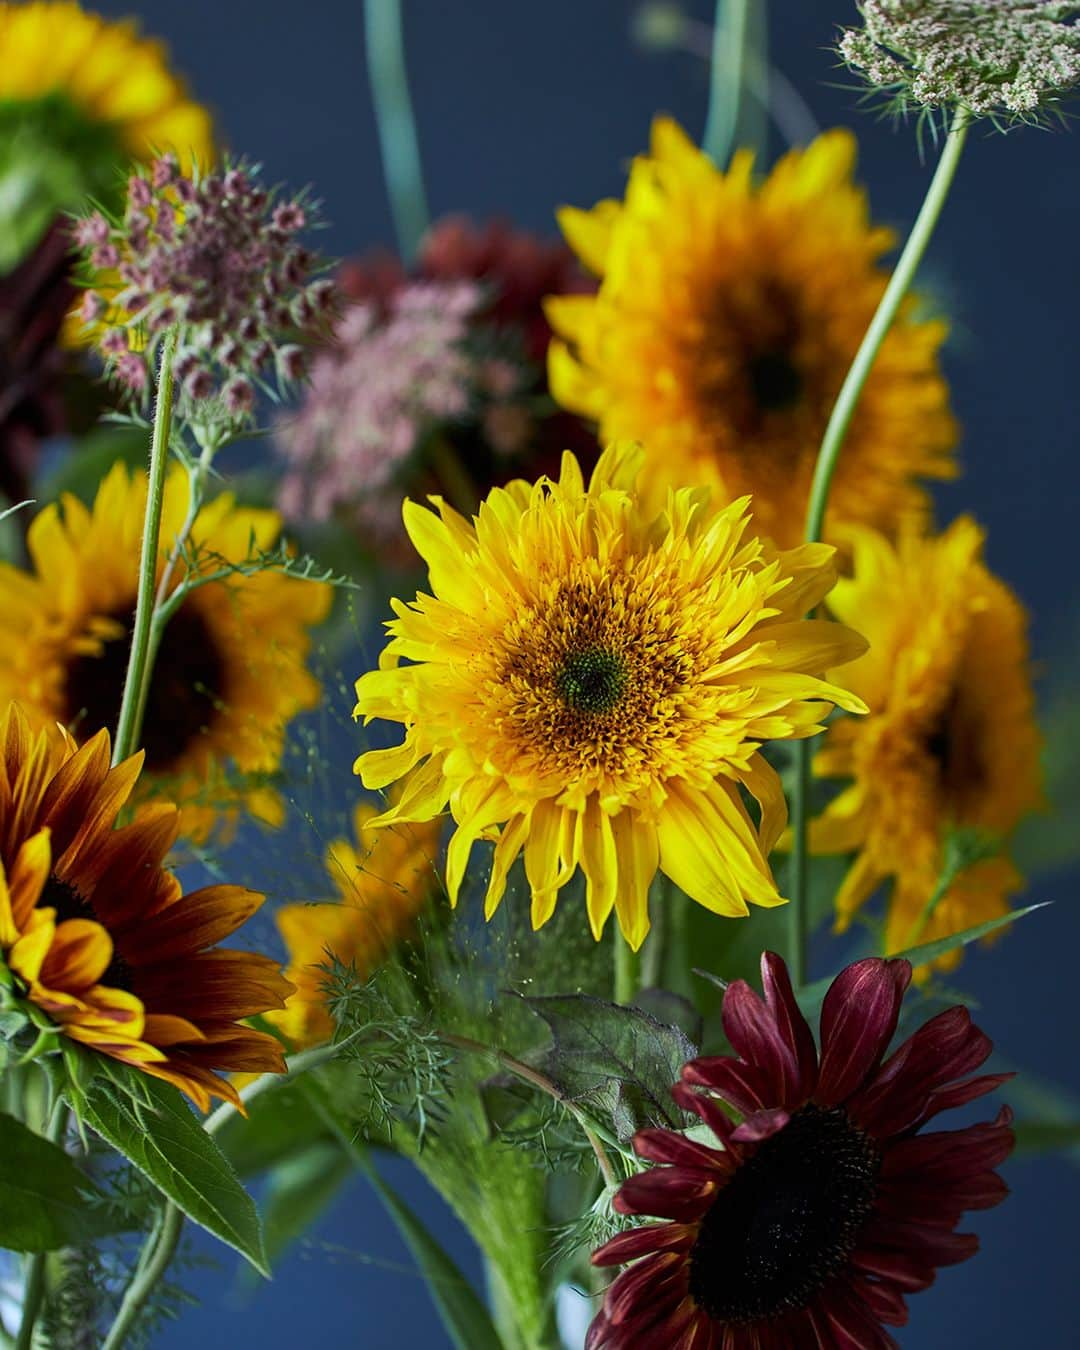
{"x": 216, "y": 256}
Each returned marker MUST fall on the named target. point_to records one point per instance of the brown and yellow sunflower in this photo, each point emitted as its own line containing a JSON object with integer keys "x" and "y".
{"x": 97, "y": 933}
{"x": 728, "y": 314}
{"x": 230, "y": 671}
{"x": 80, "y": 97}
{"x": 384, "y": 880}
{"x": 950, "y": 741}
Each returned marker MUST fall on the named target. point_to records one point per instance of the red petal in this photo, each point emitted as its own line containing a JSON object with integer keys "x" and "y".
{"x": 851, "y": 1323}
{"x": 792, "y": 1025}
{"x": 708, "y": 1108}
{"x": 653, "y": 1286}
{"x": 887, "y": 1304}
{"x": 858, "y": 1020}
{"x": 950, "y": 1155}
{"x": 739, "y": 1084}
{"x": 666, "y": 1193}
{"x": 754, "y": 1034}
{"x": 761, "y": 1125}
{"x": 665, "y": 1146}
{"x": 635, "y": 1242}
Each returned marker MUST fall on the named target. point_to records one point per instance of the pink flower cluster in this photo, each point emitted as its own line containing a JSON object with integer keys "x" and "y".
{"x": 389, "y": 379}
{"x": 216, "y": 256}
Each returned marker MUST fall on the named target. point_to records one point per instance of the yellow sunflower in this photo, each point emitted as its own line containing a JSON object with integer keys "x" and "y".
{"x": 950, "y": 740}
{"x": 97, "y": 934}
{"x": 80, "y": 97}
{"x": 230, "y": 671}
{"x": 384, "y": 881}
{"x": 597, "y": 680}
{"x": 727, "y": 316}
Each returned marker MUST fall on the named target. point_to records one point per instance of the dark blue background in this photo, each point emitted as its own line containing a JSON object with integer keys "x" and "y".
{"x": 524, "y": 106}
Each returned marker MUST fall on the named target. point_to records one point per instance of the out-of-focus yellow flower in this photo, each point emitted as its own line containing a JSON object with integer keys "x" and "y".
{"x": 727, "y": 316}
{"x": 230, "y": 670}
{"x": 950, "y": 741}
{"x": 384, "y": 881}
{"x": 590, "y": 684}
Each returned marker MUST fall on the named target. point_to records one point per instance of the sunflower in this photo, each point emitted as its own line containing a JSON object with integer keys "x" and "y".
{"x": 97, "y": 934}
{"x": 384, "y": 881}
{"x": 950, "y": 742}
{"x": 824, "y": 1206}
{"x": 597, "y": 680}
{"x": 727, "y": 317}
{"x": 80, "y": 97}
{"x": 230, "y": 670}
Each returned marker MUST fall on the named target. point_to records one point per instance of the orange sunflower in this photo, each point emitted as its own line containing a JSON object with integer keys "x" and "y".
{"x": 728, "y": 313}
{"x": 96, "y": 931}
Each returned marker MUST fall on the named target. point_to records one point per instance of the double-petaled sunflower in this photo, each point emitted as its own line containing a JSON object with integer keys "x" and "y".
{"x": 824, "y": 1207}
{"x": 727, "y": 317}
{"x": 384, "y": 881}
{"x": 97, "y": 934}
{"x": 80, "y": 97}
{"x": 230, "y": 670}
{"x": 597, "y": 679}
{"x": 951, "y": 740}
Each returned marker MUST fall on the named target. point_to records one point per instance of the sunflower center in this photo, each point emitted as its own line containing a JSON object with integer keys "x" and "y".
{"x": 70, "y": 904}
{"x": 788, "y": 1220}
{"x": 954, "y": 743}
{"x": 591, "y": 681}
{"x": 188, "y": 680}
{"x": 775, "y": 382}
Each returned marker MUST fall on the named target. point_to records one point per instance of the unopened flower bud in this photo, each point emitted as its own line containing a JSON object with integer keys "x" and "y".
{"x": 239, "y": 396}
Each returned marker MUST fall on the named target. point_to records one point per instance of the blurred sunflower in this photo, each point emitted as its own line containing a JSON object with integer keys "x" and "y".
{"x": 384, "y": 880}
{"x": 230, "y": 670}
{"x": 97, "y": 933}
{"x": 80, "y": 97}
{"x": 951, "y": 740}
{"x": 727, "y": 317}
{"x": 598, "y": 680}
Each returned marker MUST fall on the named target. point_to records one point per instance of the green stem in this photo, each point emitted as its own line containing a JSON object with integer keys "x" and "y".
{"x": 160, "y": 1248}
{"x": 34, "y": 1289}
{"x": 731, "y": 30}
{"x": 294, "y": 1065}
{"x": 398, "y": 141}
{"x": 828, "y": 457}
{"x": 627, "y": 971}
{"x": 128, "y": 727}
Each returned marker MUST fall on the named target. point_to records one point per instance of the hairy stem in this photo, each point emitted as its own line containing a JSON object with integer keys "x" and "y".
{"x": 398, "y": 141}
{"x": 153, "y": 1263}
{"x": 828, "y": 457}
{"x": 139, "y": 669}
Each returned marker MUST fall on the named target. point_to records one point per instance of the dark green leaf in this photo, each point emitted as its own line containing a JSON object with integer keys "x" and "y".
{"x": 299, "y": 1189}
{"x": 619, "y": 1062}
{"x": 157, "y": 1132}
{"x": 46, "y": 1202}
{"x": 467, "y": 1321}
{"x": 280, "y": 1122}
{"x": 1046, "y": 1136}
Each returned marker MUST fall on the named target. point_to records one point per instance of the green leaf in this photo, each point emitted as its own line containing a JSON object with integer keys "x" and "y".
{"x": 620, "y": 1062}
{"x": 299, "y": 1190}
{"x": 280, "y": 1123}
{"x": 157, "y": 1133}
{"x": 1046, "y": 1136}
{"x": 464, "y": 1316}
{"x": 811, "y": 996}
{"x": 46, "y": 1202}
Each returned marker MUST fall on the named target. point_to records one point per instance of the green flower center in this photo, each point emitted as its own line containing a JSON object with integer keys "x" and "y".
{"x": 591, "y": 681}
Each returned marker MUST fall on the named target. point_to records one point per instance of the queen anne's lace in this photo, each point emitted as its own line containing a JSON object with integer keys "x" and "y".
{"x": 994, "y": 57}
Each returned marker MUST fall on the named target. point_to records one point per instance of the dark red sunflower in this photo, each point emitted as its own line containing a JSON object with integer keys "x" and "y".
{"x": 825, "y": 1206}
{"x": 98, "y": 934}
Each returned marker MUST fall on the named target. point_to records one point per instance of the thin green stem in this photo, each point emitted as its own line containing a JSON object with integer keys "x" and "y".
{"x": 294, "y": 1065}
{"x": 828, "y": 457}
{"x": 731, "y": 29}
{"x": 398, "y": 142}
{"x": 139, "y": 667}
{"x": 161, "y": 1247}
{"x": 627, "y": 971}
{"x": 34, "y": 1288}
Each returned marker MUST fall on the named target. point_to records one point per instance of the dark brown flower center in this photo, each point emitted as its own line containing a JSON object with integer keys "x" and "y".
{"x": 591, "y": 681}
{"x": 775, "y": 381}
{"x": 788, "y": 1220}
{"x": 70, "y": 904}
{"x": 188, "y": 682}
{"x": 954, "y": 743}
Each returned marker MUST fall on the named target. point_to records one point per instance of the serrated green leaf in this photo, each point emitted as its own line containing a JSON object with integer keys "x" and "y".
{"x": 467, "y": 1322}
{"x": 46, "y": 1201}
{"x": 161, "y": 1137}
{"x": 620, "y": 1062}
{"x": 299, "y": 1190}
